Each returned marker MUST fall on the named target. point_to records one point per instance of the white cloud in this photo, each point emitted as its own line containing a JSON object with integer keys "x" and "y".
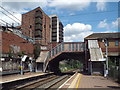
{"x": 77, "y": 5}
{"x": 72, "y": 14}
{"x": 21, "y": 0}
{"x": 52, "y": 0}
{"x": 9, "y": 20}
{"x": 69, "y": 4}
{"x": 103, "y": 24}
{"x": 108, "y": 31}
{"x": 78, "y": 37}
{"x": 76, "y": 28}
{"x": 116, "y": 23}
{"x": 17, "y": 8}
{"x": 76, "y": 32}
{"x": 112, "y": 26}
{"x": 23, "y": 6}
{"x": 101, "y": 5}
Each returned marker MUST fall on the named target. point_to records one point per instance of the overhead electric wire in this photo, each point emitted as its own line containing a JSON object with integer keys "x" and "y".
{"x": 2, "y": 23}
{"x": 67, "y": 15}
{"x": 88, "y": 13}
{"x": 10, "y": 13}
{"x": 5, "y": 22}
{"x": 10, "y": 17}
{"x": 87, "y": 20}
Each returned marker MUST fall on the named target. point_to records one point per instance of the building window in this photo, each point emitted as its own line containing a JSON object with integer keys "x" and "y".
{"x": 116, "y": 43}
{"x": 30, "y": 26}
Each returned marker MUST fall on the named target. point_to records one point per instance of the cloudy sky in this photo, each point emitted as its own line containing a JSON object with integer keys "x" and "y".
{"x": 79, "y": 17}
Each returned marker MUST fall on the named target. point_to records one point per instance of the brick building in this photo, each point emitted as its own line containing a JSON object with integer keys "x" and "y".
{"x": 45, "y": 30}
{"x": 36, "y": 25}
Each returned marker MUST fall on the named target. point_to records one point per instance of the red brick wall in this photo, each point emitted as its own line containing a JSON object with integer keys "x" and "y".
{"x": 46, "y": 30}
{"x": 29, "y": 19}
{"x": 8, "y": 38}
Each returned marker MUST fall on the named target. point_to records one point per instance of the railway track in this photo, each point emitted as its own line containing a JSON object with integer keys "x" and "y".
{"x": 53, "y": 81}
{"x": 21, "y": 82}
{"x": 40, "y": 82}
{"x": 46, "y": 83}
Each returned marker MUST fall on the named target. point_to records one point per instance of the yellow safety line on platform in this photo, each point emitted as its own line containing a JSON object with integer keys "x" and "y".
{"x": 78, "y": 82}
{"x": 73, "y": 83}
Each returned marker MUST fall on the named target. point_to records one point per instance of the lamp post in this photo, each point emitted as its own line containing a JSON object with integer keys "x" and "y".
{"x": 106, "y": 47}
{"x": 31, "y": 64}
{"x": 22, "y": 60}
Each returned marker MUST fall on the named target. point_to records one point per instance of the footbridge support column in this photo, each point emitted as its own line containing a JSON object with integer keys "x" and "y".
{"x": 39, "y": 67}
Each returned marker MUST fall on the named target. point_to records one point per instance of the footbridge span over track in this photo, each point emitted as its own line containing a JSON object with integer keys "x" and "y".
{"x": 67, "y": 50}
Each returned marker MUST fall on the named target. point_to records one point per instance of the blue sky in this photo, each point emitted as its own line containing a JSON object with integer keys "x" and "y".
{"x": 89, "y": 15}
{"x": 80, "y": 19}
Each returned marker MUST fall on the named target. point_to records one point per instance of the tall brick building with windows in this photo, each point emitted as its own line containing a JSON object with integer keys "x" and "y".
{"x": 36, "y": 25}
{"x": 45, "y": 30}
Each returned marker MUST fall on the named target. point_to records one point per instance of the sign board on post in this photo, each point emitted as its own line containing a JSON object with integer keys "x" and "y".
{"x": 30, "y": 58}
{"x": 24, "y": 58}
{"x": 2, "y": 59}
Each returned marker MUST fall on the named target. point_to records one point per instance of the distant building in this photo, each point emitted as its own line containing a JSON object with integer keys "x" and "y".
{"x": 112, "y": 40}
{"x": 36, "y": 25}
{"x": 57, "y": 29}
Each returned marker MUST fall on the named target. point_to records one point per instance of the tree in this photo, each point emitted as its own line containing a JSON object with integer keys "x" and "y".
{"x": 37, "y": 51}
{"x": 20, "y": 54}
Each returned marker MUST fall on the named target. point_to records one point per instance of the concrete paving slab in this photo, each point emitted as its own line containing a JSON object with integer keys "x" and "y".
{"x": 88, "y": 81}
{"x": 10, "y": 78}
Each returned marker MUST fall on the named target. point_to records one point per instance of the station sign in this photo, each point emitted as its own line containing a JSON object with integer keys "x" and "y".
{"x": 44, "y": 48}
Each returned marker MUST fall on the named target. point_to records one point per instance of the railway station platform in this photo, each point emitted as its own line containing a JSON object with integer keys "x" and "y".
{"x": 90, "y": 81}
{"x": 15, "y": 77}
{"x": 78, "y": 80}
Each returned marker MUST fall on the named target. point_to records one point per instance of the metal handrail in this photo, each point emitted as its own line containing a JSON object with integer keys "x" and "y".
{"x": 61, "y": 48}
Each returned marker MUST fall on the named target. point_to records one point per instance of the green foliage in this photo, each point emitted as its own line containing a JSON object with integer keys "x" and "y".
{"x": 20, "y": 54}
{"x": 111, "y": 62}
{"x": 70, "y": 65}
{"x": 23, "y": 52}
{"x": 37, "y": 52}
{"x": 10, "y": 55}
{"x": 114, "y": 68}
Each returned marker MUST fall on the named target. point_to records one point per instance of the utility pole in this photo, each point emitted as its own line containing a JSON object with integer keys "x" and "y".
{"x": 106, "y": 47}
{"x": 21, "y": 67}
